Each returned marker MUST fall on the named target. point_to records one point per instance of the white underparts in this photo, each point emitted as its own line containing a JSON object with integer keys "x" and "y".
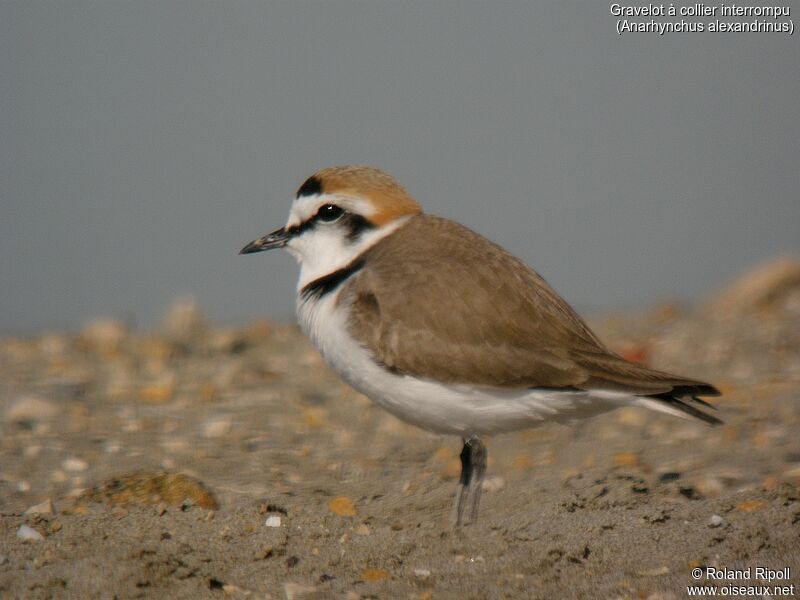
{"x": 463, "y": 410}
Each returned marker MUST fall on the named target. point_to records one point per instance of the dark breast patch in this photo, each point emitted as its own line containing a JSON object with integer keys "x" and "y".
{"x": 328, "y": 283}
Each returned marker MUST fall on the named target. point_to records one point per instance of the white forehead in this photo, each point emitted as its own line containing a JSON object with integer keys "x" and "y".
{"x": 305, "y": 207}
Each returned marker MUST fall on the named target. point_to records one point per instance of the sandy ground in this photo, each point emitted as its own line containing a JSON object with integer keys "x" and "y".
{"x": 196, "y": 462}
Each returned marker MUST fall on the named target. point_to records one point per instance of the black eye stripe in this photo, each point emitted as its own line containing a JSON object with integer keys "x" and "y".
{"x": 328, "y": 213}
{"x": 356, "y": 225}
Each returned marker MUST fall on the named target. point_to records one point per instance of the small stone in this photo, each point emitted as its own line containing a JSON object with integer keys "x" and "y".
{"x": 105, "y": 334}
{"x": 792, "y": 474}
{"x": 30, "y": 409}
{"x": 362, "y": 529}
{"x": 710, "y": 486}
{"x": 524, "y": 462}
{"x": 654, "y": 572}
{"x": 662, "y": 596}
{"x": 373, "y": 575}
{"x": 273, "y": 521}
{"x": 217, "y": 428}
{"x": 184, "y": 320}
{"x": 58, "y": 476}
{"x": 231, "y": 590}
{"x": 43, "y": 508}
{"x": 770, "y": 482}
{"x": 295, "y": 591}
{"x": 23, "y": 486}
{"x": 626, "y": 459}
{"x": 422, "y": 573}
{"x": 751, "y": 506}
{"x": 765, "y": 285}
{"x": 74, "y": 464}
{"x": 157, "y": 393}
{"x": 29, "y": 534}
{"x": 342, "y": 506}
{"x": 32, "y": 451}
{"x": 177, "y": 445}
{"x": 715, "y": 521}
{"x": 493, "y": 484}
{"x": 143, "y": 489}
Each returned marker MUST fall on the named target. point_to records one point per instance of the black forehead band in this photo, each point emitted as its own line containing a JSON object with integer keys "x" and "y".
{"x": 311, "y": 187}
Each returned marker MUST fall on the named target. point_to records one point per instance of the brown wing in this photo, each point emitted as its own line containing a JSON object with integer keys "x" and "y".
{"x": 486, "y": 318}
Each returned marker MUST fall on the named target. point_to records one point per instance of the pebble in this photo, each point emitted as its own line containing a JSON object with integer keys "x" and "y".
{"x": 296, "y": 591}
{"x": 764, "y": 285}
{"x": 157, "y": 393}
{"x": 175, "y": 445}
{"x": 422, "y": 573}
{"x": 105, "y": 334}
{"x": 373, "y": 575}
{"x": 715, "y": 521}
{"x": 654, "y": 572}
{"x": 232, "y": 590}
{"x": 793, "y": 474}
{"x": 342, "y": 506}
{"x": 662, "y": 596}
{"x": 30, "y": 408}
{"x": 184, "y": 320}
{"x": 32, "y": 451}
{"x": 710, "y": 486}
{"x": 493, "y": 484}
{"x": 217, "y": 427}
{"x": 28, "y": 534}
{"x": 273, "y": 521}
{"x": 626, "y": 459}
{"x": 43, "y": 508}
{"x": 148, "y": 489}
{"x": 749, "y": 506}
{"x": 74, "y": 464}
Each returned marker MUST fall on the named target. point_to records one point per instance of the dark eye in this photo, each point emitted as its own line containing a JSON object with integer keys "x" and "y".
{"x": 329, "y": 212}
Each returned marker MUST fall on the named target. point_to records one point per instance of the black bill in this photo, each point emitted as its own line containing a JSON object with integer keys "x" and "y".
{"x": 276, "y": 239}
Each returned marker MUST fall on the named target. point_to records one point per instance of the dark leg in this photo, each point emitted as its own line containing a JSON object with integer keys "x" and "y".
{"x": 473, "y": 468}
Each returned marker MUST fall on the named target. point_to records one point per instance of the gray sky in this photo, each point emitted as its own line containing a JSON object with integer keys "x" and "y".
{"x": 143, "y": 143}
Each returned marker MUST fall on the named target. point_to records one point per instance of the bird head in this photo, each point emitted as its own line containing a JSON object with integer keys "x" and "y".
{"x": 336, "y": 214}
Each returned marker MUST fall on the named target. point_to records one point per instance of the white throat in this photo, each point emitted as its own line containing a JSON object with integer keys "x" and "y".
{"x": 325, "y": 248}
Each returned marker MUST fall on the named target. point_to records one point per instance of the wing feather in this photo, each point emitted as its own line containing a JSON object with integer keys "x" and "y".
{"x": 485, "y": 319}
